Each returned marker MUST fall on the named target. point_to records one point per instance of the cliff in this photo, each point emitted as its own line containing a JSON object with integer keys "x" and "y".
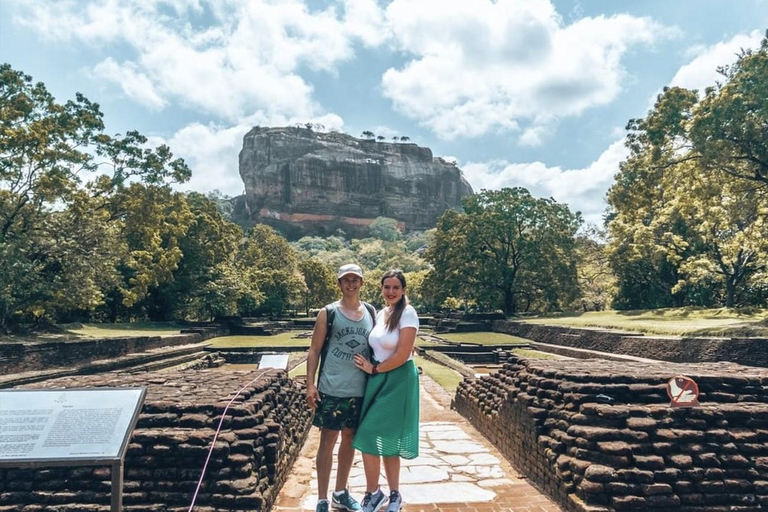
{"x": 306, "y": 182}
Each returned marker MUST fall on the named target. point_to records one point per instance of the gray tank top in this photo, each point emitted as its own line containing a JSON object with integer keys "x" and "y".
{"x": 339, "y": 376}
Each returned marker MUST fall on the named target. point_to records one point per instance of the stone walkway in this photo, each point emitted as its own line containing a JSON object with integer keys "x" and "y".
{"x": 457, "y": 469}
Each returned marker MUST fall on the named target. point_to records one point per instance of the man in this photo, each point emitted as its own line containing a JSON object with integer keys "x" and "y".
{"x": 341, "y": 331}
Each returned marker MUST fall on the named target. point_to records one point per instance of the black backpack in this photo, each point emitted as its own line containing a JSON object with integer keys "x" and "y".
{"x": 330, "y": 314}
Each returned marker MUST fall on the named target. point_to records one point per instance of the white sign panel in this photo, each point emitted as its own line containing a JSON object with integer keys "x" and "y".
{"x": 274, "y": 361}
{"x": 71, "y": 424}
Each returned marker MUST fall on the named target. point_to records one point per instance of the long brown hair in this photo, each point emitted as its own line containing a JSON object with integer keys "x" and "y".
{"x": 399, "y": 306}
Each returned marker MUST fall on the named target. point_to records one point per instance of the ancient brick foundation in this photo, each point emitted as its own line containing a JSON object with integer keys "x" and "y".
{"x": 600, "y": 436}
{"x": 261, "y": 436}
{"x": 749, "y": 351}
{"x": 30, "y": 356}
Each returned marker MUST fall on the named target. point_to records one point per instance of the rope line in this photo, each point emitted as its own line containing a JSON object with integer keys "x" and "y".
{"x": 213, "y": 443}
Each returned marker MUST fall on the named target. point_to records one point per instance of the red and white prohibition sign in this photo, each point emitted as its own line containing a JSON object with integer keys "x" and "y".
{"x": 683, "y": 392}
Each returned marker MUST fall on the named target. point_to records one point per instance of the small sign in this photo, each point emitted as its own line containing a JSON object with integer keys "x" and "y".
{"x": 683, "y": 392}
{"x": 274, "y": 361}
{"x": 56, "y": 425}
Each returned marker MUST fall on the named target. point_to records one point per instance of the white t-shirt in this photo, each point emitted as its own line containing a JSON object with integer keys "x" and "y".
{"x": 384, "y": 342}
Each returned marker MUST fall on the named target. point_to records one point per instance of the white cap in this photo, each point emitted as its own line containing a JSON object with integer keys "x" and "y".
{"x": 350, "y": 268}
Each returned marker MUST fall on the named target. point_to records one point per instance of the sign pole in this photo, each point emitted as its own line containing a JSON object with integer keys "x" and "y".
{"x": 117, "y": 486}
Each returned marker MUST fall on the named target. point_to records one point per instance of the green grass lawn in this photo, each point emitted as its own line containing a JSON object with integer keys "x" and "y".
{"x": 122, "y": 329}
{"x": 447, "y": 378}
{"x": 676, "y": 321}
{"x": 483, "y": 338}
{"x": 533, "y": 354}
{"x": 300, "y": 370}
{"x": 284, "y": 339}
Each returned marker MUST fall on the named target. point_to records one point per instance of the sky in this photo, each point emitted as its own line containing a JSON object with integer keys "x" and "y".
{"x": 531, "y": 93}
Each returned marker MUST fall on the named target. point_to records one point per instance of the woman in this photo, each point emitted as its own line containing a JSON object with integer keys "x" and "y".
{"x": 389, "y": 422}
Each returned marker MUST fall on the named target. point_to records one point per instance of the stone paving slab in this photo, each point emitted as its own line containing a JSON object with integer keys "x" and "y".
{"x": 457, "y": 470}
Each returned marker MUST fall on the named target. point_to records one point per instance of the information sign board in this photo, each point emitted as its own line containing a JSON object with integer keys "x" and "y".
{"x": 75, "y": 426}
{"x": 274, "y": 361}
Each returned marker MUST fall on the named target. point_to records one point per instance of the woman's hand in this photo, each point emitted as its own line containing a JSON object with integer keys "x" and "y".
{"x": 364, "y": 364}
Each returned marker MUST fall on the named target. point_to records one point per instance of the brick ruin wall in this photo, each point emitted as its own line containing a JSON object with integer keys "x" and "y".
{"x": 21, "y": 357}
{"x": 636, "y": 452}
{"x": 261, "y": 436}
{"x": 747, "y": 351}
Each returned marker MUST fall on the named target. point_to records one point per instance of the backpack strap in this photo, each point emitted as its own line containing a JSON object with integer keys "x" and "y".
{"x": 371, "y": 311}
{"x": 330, "y": 314}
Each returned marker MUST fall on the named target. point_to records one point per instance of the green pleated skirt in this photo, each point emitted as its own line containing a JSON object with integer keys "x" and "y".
{"x": 389, "y": 421}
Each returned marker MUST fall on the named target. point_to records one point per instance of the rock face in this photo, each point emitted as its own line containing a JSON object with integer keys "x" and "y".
{"x": 305, "y": 182}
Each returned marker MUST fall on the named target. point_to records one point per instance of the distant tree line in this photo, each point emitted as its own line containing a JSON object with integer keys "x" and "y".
{"x": 90, "y": 228}
{"x": 367, "y": 134}
{"x": 687, "y": 222}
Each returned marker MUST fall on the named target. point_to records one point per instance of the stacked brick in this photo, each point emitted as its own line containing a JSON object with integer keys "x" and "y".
{"x": 748, "y": 351}
{"x": 261, "y": 436}
{"x": 25, "y": 356}
{"x": 600, "y": 436}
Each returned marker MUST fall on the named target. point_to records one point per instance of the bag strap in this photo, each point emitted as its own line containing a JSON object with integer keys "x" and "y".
{"x": 330, "y": 314}
{"x": 371, "y": 311}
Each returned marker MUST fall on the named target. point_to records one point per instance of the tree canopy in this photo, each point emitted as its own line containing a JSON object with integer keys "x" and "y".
{"x": 507, "y": 251}
{"x": 688, "y": 213}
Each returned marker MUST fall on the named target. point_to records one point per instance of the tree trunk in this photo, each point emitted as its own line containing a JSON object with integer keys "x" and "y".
{"x": 510, "y": 307}
{"x": 730, "y": 287}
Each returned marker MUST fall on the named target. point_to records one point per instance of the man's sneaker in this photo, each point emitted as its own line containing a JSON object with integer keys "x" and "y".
{"x": 395, "y": 502}
{"x": 322, "y": 506}
{"x": 344, "y": 501}
{"x": 372, "y": 502}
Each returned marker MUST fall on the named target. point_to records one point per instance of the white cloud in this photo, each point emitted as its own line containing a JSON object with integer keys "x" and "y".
{"x": 136, "y": 85}
{"x": 701, "y": 72}
{"x": 482, "y": 65}
{"x": 212, "y": 154}
{"x": 582, "y": 189}
{"x": 230, "y": 59}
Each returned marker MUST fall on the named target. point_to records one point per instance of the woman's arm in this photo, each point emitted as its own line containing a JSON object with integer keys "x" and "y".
{"x": 404, "y": 349}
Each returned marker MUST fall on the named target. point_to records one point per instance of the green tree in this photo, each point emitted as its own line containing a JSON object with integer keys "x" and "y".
{"x": 269, "y": 264}
{"x": 685, "y": 216}
{"x": 508, "y": 250}
{"x": 205, "y": 283}
{"x": 45, "y": 150}
{"x": 320, "y": 283}
{"x": 597, "y": 283}
{"x": 386, "y": 229}
{"x": 729, "y": 225}
{"x": 729, "y": 128}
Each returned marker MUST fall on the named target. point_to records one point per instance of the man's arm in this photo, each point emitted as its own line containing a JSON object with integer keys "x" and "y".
{"x": 313, "y": 357}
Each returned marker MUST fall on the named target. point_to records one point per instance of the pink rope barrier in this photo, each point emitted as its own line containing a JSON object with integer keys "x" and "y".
{"x": 213, "y": 443}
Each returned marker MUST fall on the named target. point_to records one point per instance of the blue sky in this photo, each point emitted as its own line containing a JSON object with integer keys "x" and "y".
{"x": 532, "y": 93}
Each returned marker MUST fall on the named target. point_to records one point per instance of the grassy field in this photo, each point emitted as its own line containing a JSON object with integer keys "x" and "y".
{"x": 447, "y": 378}
{"x": 284, "y": 339}
{"x": 677, "y": 321}
{"x": 483, "y": 338}
{"x": 533, "y": 354}
{"x": 122, "y": 329}
{"x": 299, "y": 371}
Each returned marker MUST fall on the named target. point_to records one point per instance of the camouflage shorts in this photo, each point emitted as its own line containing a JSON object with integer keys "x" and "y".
{"x": 336, "y": 413}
